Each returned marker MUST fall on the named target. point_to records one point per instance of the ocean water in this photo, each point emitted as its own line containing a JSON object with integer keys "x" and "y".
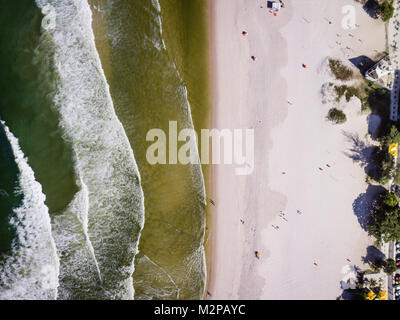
{"x": 83, "y": 215}
{"x": 151, "y": 86}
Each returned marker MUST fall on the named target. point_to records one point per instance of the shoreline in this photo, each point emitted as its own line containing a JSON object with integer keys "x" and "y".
{"x": 210, "y": 186}
{"x": 219, "y": 173}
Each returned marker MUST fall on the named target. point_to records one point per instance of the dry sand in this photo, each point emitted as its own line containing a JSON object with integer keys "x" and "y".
{"x": 294, "y": 138}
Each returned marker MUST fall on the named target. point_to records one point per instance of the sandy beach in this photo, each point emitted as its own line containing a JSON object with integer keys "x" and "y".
{"x": 318, "y": 212}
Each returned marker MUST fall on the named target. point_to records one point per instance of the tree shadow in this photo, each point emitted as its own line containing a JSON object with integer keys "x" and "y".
{"x": 363, "y": 205}
{"x": 360, "y": 152}
{"x": 374, "y": 255}
{"x": 374, "y": 125}
{"x": 371, "y": 8}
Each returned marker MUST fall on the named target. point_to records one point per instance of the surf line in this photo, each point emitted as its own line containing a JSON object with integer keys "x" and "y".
{"x": 33, "y": 227}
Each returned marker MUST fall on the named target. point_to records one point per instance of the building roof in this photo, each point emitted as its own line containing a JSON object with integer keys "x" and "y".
{"x": 276, "y": 5}
{"x": 382, "y": 73}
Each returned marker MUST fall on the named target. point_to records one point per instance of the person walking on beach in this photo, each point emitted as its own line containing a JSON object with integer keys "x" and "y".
{"x": 253, "y": 58}
{"x": 244, "y": 33}
{"x": 258, "y": 255}
{"x": 315, "y": 264}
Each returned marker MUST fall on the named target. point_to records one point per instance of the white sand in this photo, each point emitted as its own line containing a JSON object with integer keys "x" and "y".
{"x": 295, "y": 139}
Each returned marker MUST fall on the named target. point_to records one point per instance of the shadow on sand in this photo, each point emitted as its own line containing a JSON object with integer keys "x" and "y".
{"x": 362, "y": 63}
{"x": 363, "y": 205}
{"x": 374, "y": 255}
{"x": 371, "y": 8}
{"x": 360, "y": 152}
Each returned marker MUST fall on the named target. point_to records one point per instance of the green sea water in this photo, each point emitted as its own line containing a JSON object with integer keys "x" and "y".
{"x": 55, "y": 100}
{"x": 27, "y": 84}
{"x": 155, "y": 55}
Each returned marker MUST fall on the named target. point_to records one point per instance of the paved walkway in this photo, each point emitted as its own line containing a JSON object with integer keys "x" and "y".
{"x": 390, "y": 277}
{"x": 394, "y": 51}
{"x": 394, "y": 35}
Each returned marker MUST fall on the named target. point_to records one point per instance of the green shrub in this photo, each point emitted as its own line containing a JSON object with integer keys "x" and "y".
{"x": 339, "y": 70}
{"x": 384, "y": 166}
{"x": 390, "y": 200}
{"x": 336, "y": 116}
{"x": 352, "y": 92}
{"x": 386, "y": 10}
{"x": 390, "y": 266}
{"x": 385, "y": 222}
{"x": 393, "y": 136}
{"x": 346, "y": 91}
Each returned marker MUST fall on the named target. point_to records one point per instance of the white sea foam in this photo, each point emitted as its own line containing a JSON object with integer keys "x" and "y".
{"x": 110, "y": 193}
{"x": 79, "y": 270}
{"x": 157, "y": 6}
{"x": 31, "y": 270}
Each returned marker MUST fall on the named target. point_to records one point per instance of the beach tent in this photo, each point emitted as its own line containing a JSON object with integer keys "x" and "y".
{"x": 371, "y": 295}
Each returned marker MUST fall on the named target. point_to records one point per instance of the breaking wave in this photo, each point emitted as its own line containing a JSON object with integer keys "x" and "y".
{"x": 97, "y": 235}
{"x": 31, "y": 269}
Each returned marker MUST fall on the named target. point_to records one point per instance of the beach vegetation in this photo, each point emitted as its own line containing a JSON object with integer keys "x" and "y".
{"x": 374, "y": 98}
{"x": 346, "y": 91}
{"x": 390, "y": 200}
{"x": 384, "y": 166}
{"x": 390, "y": 266}
{"x": 384, "y": 223}
{"x": 339, "y": 70}
{"x": 392, "y": 136}
{"x": 337, "y": 116}
{"x": 386, "y": 10}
